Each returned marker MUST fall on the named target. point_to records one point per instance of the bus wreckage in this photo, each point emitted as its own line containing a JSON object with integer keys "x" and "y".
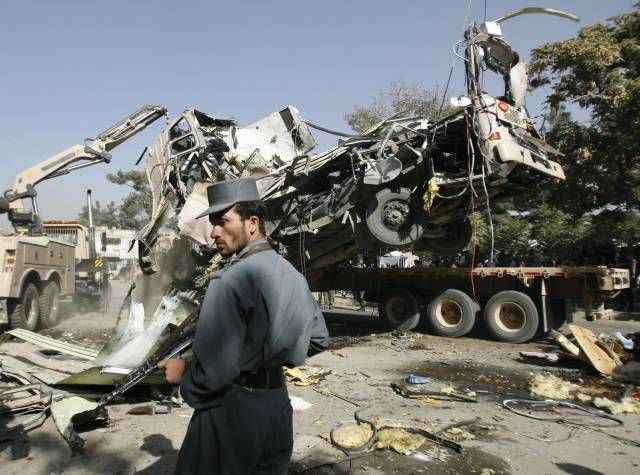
{"x": 406, "y": 183}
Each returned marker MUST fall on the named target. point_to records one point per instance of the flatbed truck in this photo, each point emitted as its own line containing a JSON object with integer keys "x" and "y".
{"x": 514, "y": 304}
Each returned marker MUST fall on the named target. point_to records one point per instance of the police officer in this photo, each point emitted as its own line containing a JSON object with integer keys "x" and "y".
{"x": 257, "y": 315}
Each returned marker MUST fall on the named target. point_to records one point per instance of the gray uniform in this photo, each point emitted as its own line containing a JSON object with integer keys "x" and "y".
{"x": 257, "y": 313}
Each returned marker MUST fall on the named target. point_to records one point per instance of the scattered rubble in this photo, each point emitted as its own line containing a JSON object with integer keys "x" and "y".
{"x": 626, "y": 405}
{"x": 552, "y": 387}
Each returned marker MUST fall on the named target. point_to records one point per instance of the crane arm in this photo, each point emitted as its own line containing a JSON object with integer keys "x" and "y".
{"x": 79, "y": 156}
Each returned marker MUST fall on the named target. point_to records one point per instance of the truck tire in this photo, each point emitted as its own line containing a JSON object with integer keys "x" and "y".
{"x": 452, "y": 313}
{"x": 399, "y": 309}
{"x": 511, "y": 316}
{"x": 456, "y": 238}
{"x": 393, "y": 218}
{"x": 26, "y": 311}
{"x": 50, "y": 305}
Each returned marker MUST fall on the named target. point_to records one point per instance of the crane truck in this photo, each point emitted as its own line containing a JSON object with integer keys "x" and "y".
{"x": 37, "y": 269}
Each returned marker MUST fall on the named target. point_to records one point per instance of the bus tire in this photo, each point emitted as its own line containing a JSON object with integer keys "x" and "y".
{"x": 399, "y": 309}
{"x": 394, "y": 218}
{"x": 452, "y": 313}
{"x": 26, "y": 311}
{"x": 511, "y": 316}
{"x": 50, "y": 305}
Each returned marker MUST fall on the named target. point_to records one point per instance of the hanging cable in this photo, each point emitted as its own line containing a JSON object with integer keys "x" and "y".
{"x": 486, "y": 192}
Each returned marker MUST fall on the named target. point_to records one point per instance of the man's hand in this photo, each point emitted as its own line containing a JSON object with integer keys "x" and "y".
{"x": 173, "y": 370}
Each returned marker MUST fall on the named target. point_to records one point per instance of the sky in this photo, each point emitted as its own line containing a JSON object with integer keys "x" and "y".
{"x": 72, "y": 68}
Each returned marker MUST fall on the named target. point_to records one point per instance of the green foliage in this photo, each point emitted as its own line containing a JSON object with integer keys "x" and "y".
{"x": 135, "y": 209}
{"x": 512, "y": 234}
{"x": 619, "y": 231}
{"x": 557, "y": 233}
{"x": 107, "y": 216}
{"x": 599, "y": 71}
{"x": 411, "y": 99}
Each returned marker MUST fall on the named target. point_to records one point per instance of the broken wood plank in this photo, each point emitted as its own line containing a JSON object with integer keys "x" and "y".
{"x": 588, "y": 343}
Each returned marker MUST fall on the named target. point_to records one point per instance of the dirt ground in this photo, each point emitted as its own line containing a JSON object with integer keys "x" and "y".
{"x": 363, "y": 361}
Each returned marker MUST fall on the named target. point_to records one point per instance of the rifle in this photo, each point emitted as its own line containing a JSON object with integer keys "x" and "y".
{"x": 178, "y": 342}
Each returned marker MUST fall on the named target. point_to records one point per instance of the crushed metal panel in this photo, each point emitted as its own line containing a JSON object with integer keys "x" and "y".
{"x": 197, "y": 229}
{"x": 279, "y": 138}
{"x": 63, "y": 412}
{"x": 53, "y": 344}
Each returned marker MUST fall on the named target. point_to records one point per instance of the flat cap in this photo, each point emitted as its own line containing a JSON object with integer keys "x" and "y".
{"x": 224, "y": 194}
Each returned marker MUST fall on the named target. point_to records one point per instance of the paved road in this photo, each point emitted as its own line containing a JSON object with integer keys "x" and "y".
{"x": 363, "y": 361}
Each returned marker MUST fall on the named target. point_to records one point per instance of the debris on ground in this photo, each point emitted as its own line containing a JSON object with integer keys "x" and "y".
{"x": 305, "y": 376}
{"x": 399, "y": 440}
{"x": 63, "y": 412}
{"x": 299, "y": 404}
{"x": 430, "y": 393}
{"x": 604, "y": 353}
{"x": 22, "y": 403}
{"x": 552, "y": 387}
{"x": 417, "y": 379}
{"x": 458, "y": 434}
{"x": 552, "y": 357}
{"x": 599, "y": 358}
{"x": 626, "y": 405}
{"x": 352, "y": 438}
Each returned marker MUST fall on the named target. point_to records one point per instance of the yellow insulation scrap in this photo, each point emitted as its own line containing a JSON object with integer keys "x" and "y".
{"x": 552, "y": 387}
{"x": 430, "y": 194}
{"x": 352, "y": 436}
{"x": 438, "y": 453}
{"x": 399, "y": 440}
{"x": 305, "y": 376}
{"x": 626, "y": 405}
{"x": 457, "y": 434}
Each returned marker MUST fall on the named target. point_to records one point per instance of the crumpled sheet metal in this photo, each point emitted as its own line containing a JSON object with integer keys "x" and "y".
{"x": 63, "y": 412}
{"x": 132, "y": 342}
{"x": 53, "y": 344}
{"x": 197, "y": 229}
{"x": 25, "y": 403}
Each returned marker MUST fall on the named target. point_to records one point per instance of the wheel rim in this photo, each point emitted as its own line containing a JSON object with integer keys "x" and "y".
{"x": 397, "y": 310}
{"x": 448, "y": 313}
{"x": 510, "y": 317}
{"x": 396, "y": 214}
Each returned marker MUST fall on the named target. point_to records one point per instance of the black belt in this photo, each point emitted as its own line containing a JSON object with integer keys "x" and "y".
{"x": 263, "y": 378}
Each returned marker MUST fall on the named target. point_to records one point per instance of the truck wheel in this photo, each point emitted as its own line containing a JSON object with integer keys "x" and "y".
{"x": 452, "y": 313}
{"x": 50, "y": 305}
{"x": 393, "y": 218}
{"x": 511, "y": 316}
{"x": 26, "y": 312}
{"x": 399, "y": 310}
{"x": 457, "y": 235}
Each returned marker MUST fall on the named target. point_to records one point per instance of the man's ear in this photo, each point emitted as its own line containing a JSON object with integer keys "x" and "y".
{"x": 255, "y": 224}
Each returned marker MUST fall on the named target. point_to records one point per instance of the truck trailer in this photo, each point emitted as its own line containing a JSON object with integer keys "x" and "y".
{"x": 514, "y": 304}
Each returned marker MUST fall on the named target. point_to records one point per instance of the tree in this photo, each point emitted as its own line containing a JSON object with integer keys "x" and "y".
{"x": 101, "y": 216}
{"x": 558, "y": 233}
{"x": 135, "y": 209}
{"x": 411, "y": 99}
{"x": 512, "y": 235}
{"x": 599, "y": 71}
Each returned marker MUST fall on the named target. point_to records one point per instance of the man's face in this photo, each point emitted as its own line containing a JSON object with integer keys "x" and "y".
{"x": 230, "y": 232}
